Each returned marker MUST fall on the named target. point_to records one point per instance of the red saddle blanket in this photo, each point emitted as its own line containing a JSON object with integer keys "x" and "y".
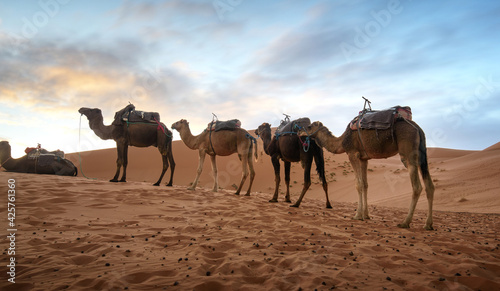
{"x": 383, "y": 119}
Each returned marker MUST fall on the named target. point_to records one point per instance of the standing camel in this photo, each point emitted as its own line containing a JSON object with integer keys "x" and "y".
{"x": 290, "y": 149}
{"x": 45, "y": 163}
{"x": 133, "y": 134}
{"x": 220, "y": 143}
{"x": 405, "y": 138}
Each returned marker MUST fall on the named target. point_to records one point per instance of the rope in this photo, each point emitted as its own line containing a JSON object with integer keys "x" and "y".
{"x": 79, "y": 155}
{"x": 251, "y": 138}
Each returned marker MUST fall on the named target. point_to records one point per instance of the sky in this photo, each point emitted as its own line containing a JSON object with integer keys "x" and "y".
{"x": 250, "y": 60}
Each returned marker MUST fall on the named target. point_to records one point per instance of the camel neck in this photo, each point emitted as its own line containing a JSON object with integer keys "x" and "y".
{"x": 266, "y": 139}
{"x": 101, "y": 130}
{"x": 330, "y": 142}
{"x": 188, "y": 138}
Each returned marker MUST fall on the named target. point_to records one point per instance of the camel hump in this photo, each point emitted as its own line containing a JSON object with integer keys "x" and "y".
{"x": 382, "y": 119}
{"x": 224, "y": 125}
{"x": 292, "y": 126}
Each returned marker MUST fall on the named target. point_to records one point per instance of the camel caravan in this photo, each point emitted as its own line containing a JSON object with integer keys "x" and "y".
{"x": 370, "y": 135}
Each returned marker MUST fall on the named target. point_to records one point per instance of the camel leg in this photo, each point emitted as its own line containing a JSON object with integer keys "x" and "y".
{"x": 200, "y": 169}
{"x": 417, "y": 189}
{"x": 125, "y": 163}
{"x": 170, "y": 157}
{"x": 287, "y": 181}
{"x": 214, "y": 173}
{"x": 276, "y": 165}
{"x": 429, "y": 190}
{"x": 244, "y": 173}
{"x": 252, "y": 171}
{"x": 360, "y": 170}
{"x": 119, "y": 161}
{"x": 307, "y": 180}
{"x": 320, "y": 166}
{"x": 165, "y": 167}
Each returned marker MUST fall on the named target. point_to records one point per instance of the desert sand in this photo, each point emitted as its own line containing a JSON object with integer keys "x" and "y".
{"x": 77, "y": 233}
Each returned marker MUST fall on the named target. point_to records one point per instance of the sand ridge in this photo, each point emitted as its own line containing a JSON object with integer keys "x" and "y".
{"x": 80, "y": 234}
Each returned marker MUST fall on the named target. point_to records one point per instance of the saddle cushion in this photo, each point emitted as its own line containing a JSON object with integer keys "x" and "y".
{"x": 129, "y": 114}
{"x": 224, "y": 125}
{"x": 141, "y": 116}
{"x": 383, "y": 119}
{"x": 289, "y": 128}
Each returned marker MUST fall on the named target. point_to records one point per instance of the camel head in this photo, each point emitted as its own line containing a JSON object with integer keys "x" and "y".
{"x": 4, "y": 145}
{"x": 91, "y": 113}
{"x": 311, "y": 129}
{"x": 263, "y": 128}
{"x": 180, "y": 124}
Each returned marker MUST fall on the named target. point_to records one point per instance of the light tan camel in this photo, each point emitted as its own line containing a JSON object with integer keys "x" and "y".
{"x": 133, "y": 134}
{"x": 220, "y": 143}
{"x": 406, "y": 138}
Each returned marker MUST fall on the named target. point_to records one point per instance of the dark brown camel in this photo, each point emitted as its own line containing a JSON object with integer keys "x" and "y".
{"x": 406, "y": 138}
{"x": 46, "y": 163}
{"x": 133, "y": 134}
{"x": 289, "y": 148}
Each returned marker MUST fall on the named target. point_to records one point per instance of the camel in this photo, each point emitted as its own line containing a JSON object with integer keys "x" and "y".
{"x": 405, "y": 138}
{"x": 220, "y": 143}
{"x": 45, "y": 163}
{"x": 133, "y": 134}
{"x": 290, "y": 149}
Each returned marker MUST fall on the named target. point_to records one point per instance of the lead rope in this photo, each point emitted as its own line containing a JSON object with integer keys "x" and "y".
{"x": 79, "y": 145}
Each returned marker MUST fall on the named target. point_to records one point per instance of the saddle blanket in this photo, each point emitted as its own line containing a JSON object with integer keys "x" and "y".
{"x": 289, "y": 127}
{"x": 383, "y": 119}
{"x": 224, "y": 125}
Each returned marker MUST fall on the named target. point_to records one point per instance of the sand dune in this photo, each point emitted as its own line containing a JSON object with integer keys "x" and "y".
{"x": 81, "y": 234}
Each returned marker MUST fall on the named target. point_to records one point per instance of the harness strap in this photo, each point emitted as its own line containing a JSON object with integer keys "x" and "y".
{"x": 1, "y": 165}
{"x": 251, "y": 138}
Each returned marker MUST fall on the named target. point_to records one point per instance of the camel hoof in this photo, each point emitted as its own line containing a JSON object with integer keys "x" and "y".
{"x": 237, "y": 193}
{"x": 273, "y": 200}
{"x": 122, "y": 181}
{"x": 114, "y": 180}
{"x": 357, "y": 218}
{"x": 169, "y": 185}
{"x": 295, "y": 205}
{"x": 404, "y": 225}
{"x": 156, "y": 184}
{"x": 328, "y": 206}
{"x": 248, "y": 194}
{"x": 288, "y": 200}
{"x": 190, "y": 188}
{"x": 428, "y": 227}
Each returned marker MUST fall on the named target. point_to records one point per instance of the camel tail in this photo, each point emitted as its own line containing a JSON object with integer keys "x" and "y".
{"x": 256, "y": 151}
{"x": 319, "y": 160}
{"x": 422, "y": 148}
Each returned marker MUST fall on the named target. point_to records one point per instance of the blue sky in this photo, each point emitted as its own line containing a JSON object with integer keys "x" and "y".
{"x": 251, "y": 60}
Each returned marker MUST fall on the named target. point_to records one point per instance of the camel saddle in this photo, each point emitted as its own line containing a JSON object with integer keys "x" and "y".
{"x": 37, "y": 153}
{"x": 383, "y": 119}
{"x": 130, "y": 115}
{"x": 291, "y": 127}
{"x": 224, "y": 125}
